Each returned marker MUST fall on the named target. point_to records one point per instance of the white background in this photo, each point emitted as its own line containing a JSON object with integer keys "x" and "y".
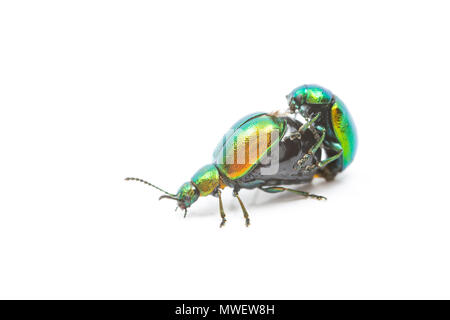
{"x": 94, "y": 91}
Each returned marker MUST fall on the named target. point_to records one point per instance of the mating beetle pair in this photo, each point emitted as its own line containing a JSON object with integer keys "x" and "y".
{"x": 270, "y": 150}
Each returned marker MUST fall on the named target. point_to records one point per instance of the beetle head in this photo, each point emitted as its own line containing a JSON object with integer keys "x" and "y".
{"x": 296, "y": 103}
{"x": 186, "y": 195}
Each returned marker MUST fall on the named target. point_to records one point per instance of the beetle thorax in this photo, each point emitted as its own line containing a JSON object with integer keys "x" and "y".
{"x": 206, "y": 179}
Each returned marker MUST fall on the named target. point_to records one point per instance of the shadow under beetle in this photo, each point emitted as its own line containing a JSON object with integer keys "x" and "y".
{"x": 258, "y": 143}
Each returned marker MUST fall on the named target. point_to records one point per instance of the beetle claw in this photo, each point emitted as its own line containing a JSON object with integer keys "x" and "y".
{"x": 315, "y": 196}
{"x": 303, "y": 160}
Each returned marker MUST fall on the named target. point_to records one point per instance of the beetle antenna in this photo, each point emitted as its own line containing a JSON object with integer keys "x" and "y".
{"x": 169, "y": 195}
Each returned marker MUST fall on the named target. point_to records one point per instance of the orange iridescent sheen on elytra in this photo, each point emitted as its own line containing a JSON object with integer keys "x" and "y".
{"x": 247, "y": 144}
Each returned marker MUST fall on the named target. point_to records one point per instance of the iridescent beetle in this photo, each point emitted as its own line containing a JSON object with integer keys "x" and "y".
{"x": 332, "y": 124}
{"x": 261, "y": 150}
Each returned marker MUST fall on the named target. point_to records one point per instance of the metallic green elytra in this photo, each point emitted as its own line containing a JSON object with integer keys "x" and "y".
{"x": 232, "y": 130}
{"x": 334, "y": 120}
{"x": 345, "y": 131}
{"x": 249, "y": 140}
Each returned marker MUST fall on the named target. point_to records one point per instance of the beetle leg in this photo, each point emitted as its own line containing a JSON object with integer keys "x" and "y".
{"x": 325, "y": 162}
{"x": 222, "y": 212}
{"x": 303, "y": 193}
{"x": 244, "y": 211}
{"x": 304, "y": 127}
{"x": 330, "y": 159}
{"x": 312, "y": 150}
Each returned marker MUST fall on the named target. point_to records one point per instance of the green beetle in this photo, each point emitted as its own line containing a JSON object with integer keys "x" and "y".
{"x": 260, "y": 151}
{"x": 332, "y": 123}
